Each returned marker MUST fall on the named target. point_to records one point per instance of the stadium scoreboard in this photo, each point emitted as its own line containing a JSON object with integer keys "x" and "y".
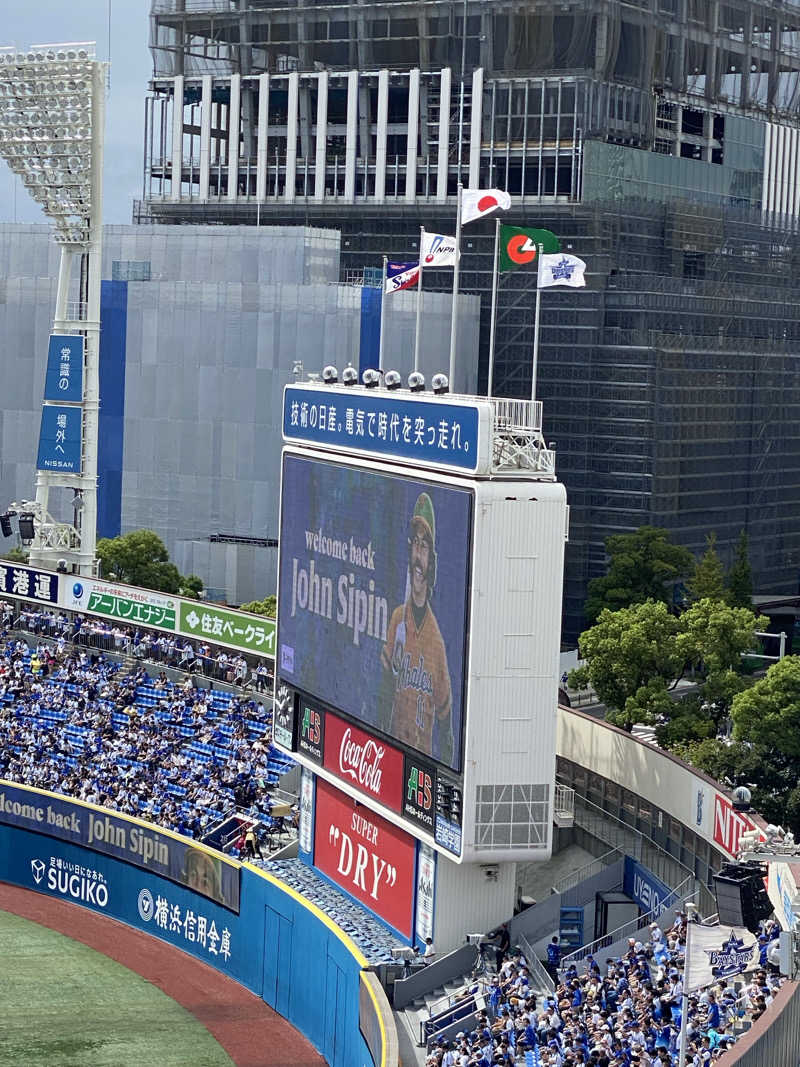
{"x": 416, "y": 655}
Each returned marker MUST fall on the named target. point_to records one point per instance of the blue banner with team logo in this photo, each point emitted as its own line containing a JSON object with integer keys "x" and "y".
{"x": 64, "y": 377}
{"x": 24, "y": 582}
{"x": 60, "y": 439}
{"x": 395, "y": 426}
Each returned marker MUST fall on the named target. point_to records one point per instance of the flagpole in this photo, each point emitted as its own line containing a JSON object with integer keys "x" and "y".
{"x": 419, "y": 301}
{"x": 536, "y": 320}
{"x": 494, "y": 304}
{"x": 454, "y": 315}
{"x": 685, "y": 996}
{"x": 383, "y": 312}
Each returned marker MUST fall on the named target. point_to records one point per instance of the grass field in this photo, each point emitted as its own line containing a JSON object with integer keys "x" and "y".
{"x": 64, "y": 1005}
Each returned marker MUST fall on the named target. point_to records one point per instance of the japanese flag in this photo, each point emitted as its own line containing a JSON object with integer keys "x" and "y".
{"x": 475, "y": 203}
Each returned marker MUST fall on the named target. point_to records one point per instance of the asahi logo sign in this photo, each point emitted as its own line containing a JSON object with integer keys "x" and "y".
{"x": 372, "y": 766}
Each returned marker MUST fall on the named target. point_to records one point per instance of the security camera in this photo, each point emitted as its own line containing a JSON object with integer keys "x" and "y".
{"x": 61, "y": 566}
{"x": 742, "y": 798}
{"x": 350, "y": 376}
{"x": 330, "y": 375}
{"x": 392, "y": 380}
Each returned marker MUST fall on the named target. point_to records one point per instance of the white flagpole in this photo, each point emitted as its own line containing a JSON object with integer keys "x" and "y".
{"x": 494, "y": 304}
{"x": 685, "y": 996}
{"x": 419, "y": 301}
{"x": 536, "y": 321}
{"x": 383, "y": 312}
{"x": 454, "y": 315}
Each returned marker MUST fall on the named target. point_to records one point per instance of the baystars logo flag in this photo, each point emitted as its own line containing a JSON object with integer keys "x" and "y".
{"x": 561, "y": 269}
{"x": 476, "y": 203}
{"x": 438, "y": 250}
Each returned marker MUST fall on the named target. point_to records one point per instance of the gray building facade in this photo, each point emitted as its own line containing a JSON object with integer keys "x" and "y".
{"x": 201, "y": 328}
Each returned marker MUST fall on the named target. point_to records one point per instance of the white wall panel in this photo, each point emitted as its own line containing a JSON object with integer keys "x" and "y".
{"x": 413, "y": 136}
{"x": 177, "y": 136}
{"x": 234, "y": 136}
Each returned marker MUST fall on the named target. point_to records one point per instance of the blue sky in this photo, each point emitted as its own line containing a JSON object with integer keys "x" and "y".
{"x": 27, "y": 22}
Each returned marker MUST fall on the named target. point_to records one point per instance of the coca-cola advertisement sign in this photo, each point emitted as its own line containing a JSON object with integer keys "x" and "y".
{"x": 362, "y": 761}
{"x": 367, "y": 856}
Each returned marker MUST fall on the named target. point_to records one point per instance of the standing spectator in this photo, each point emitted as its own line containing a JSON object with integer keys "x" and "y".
{"x": 553, "y": 958}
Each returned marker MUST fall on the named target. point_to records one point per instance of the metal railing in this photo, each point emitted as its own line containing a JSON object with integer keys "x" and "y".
{"x": 542, "y": 979}
{"x": 587, "y": 871}
{"x": 618, "y": 834}
{"x": 684, "y": 891}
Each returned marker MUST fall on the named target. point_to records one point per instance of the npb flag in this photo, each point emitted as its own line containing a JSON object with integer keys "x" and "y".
{"x": 438, "y": 250}
{"x": 717, "y": 952}
{"x": 475, "y": 203}
{"x": 401, "y": 276}
{"x": 561, "y": 269}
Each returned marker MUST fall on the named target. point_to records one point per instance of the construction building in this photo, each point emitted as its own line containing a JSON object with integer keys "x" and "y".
{"x": 657, "y": 138}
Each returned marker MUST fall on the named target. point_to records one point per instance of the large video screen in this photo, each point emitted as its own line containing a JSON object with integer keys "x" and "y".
{"x": 374, "y": 597}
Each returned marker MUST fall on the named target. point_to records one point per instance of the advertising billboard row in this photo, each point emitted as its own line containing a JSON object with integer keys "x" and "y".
{"x": 411, "y": 786}
{"x": 131, "y": 606}
{"x": 142, "y": 844}
{"x": 373, "y": 605}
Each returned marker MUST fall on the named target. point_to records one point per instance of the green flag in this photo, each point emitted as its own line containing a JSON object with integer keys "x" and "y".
{"x": 519, "y": 247}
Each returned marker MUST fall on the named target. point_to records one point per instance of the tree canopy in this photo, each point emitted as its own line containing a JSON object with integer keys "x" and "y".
{"x": 141, "y": 558}
{"x": 708, "y": 578}
{"x": 768, "y": 713}
{"x": 631, "y": 658}
{"x": 739, "y": 580}
{"x": 268, "y": 606}
{"x": 643, "y": 565}
{"x": 634, "y": 656}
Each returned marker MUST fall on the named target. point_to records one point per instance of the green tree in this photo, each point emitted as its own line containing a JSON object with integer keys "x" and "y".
{"x": 139, "y": 558}
{"x": 643, "y": 565}
{"x": 631, "y": 660}
{"x": 17, "y": 554}
{"x": 768, "y": 713}
{"x": 714, "y": 635}
{"x": 739, "y": 581}
{"x": 191, "y": 586}
{"x": 708, "y": 579}
{"x": 268, "y": 606}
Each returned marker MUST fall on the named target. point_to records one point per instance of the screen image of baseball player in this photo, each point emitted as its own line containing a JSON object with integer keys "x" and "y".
{"x": 373, "y": 601}
{"x": 415, "y": 702}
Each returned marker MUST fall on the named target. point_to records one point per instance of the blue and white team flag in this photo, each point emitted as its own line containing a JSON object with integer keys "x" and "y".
{"x": 561, "y": 269}
{"x": 401, "y": 276}
{"x": 438, "y": 250}
{"x": 717, "y": 952}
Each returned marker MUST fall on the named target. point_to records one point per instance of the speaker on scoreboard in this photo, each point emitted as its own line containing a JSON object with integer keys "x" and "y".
{"x": 26, "y": 527}
{"x": 5, "y": 525}
{"x": 741, "y": 897}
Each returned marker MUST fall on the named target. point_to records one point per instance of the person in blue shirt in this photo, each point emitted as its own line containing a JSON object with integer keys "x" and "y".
{"x": 553, "y": 958}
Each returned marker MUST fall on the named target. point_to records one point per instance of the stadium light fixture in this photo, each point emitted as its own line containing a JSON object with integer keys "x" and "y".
{"x": 52, "y": 117}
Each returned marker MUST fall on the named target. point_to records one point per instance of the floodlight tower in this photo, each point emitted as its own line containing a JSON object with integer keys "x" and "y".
{"x": 52, "y": 120}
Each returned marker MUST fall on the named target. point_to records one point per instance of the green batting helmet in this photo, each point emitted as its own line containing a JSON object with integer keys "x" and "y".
{"x": 423, "y": 515}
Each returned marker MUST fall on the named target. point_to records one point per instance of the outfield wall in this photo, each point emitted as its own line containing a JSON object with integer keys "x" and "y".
{"x": 279, "y": 946}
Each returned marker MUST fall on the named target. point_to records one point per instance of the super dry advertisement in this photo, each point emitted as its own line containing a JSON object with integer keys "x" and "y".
{"x": 374, "y": 588}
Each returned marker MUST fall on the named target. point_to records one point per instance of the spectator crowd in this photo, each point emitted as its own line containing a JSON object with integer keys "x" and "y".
{"x": 627, "y": 1014}
{"x": 73, "y": 720}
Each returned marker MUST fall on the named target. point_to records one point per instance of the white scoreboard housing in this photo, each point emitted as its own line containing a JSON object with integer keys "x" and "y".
{"x": 491, "y": 799}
